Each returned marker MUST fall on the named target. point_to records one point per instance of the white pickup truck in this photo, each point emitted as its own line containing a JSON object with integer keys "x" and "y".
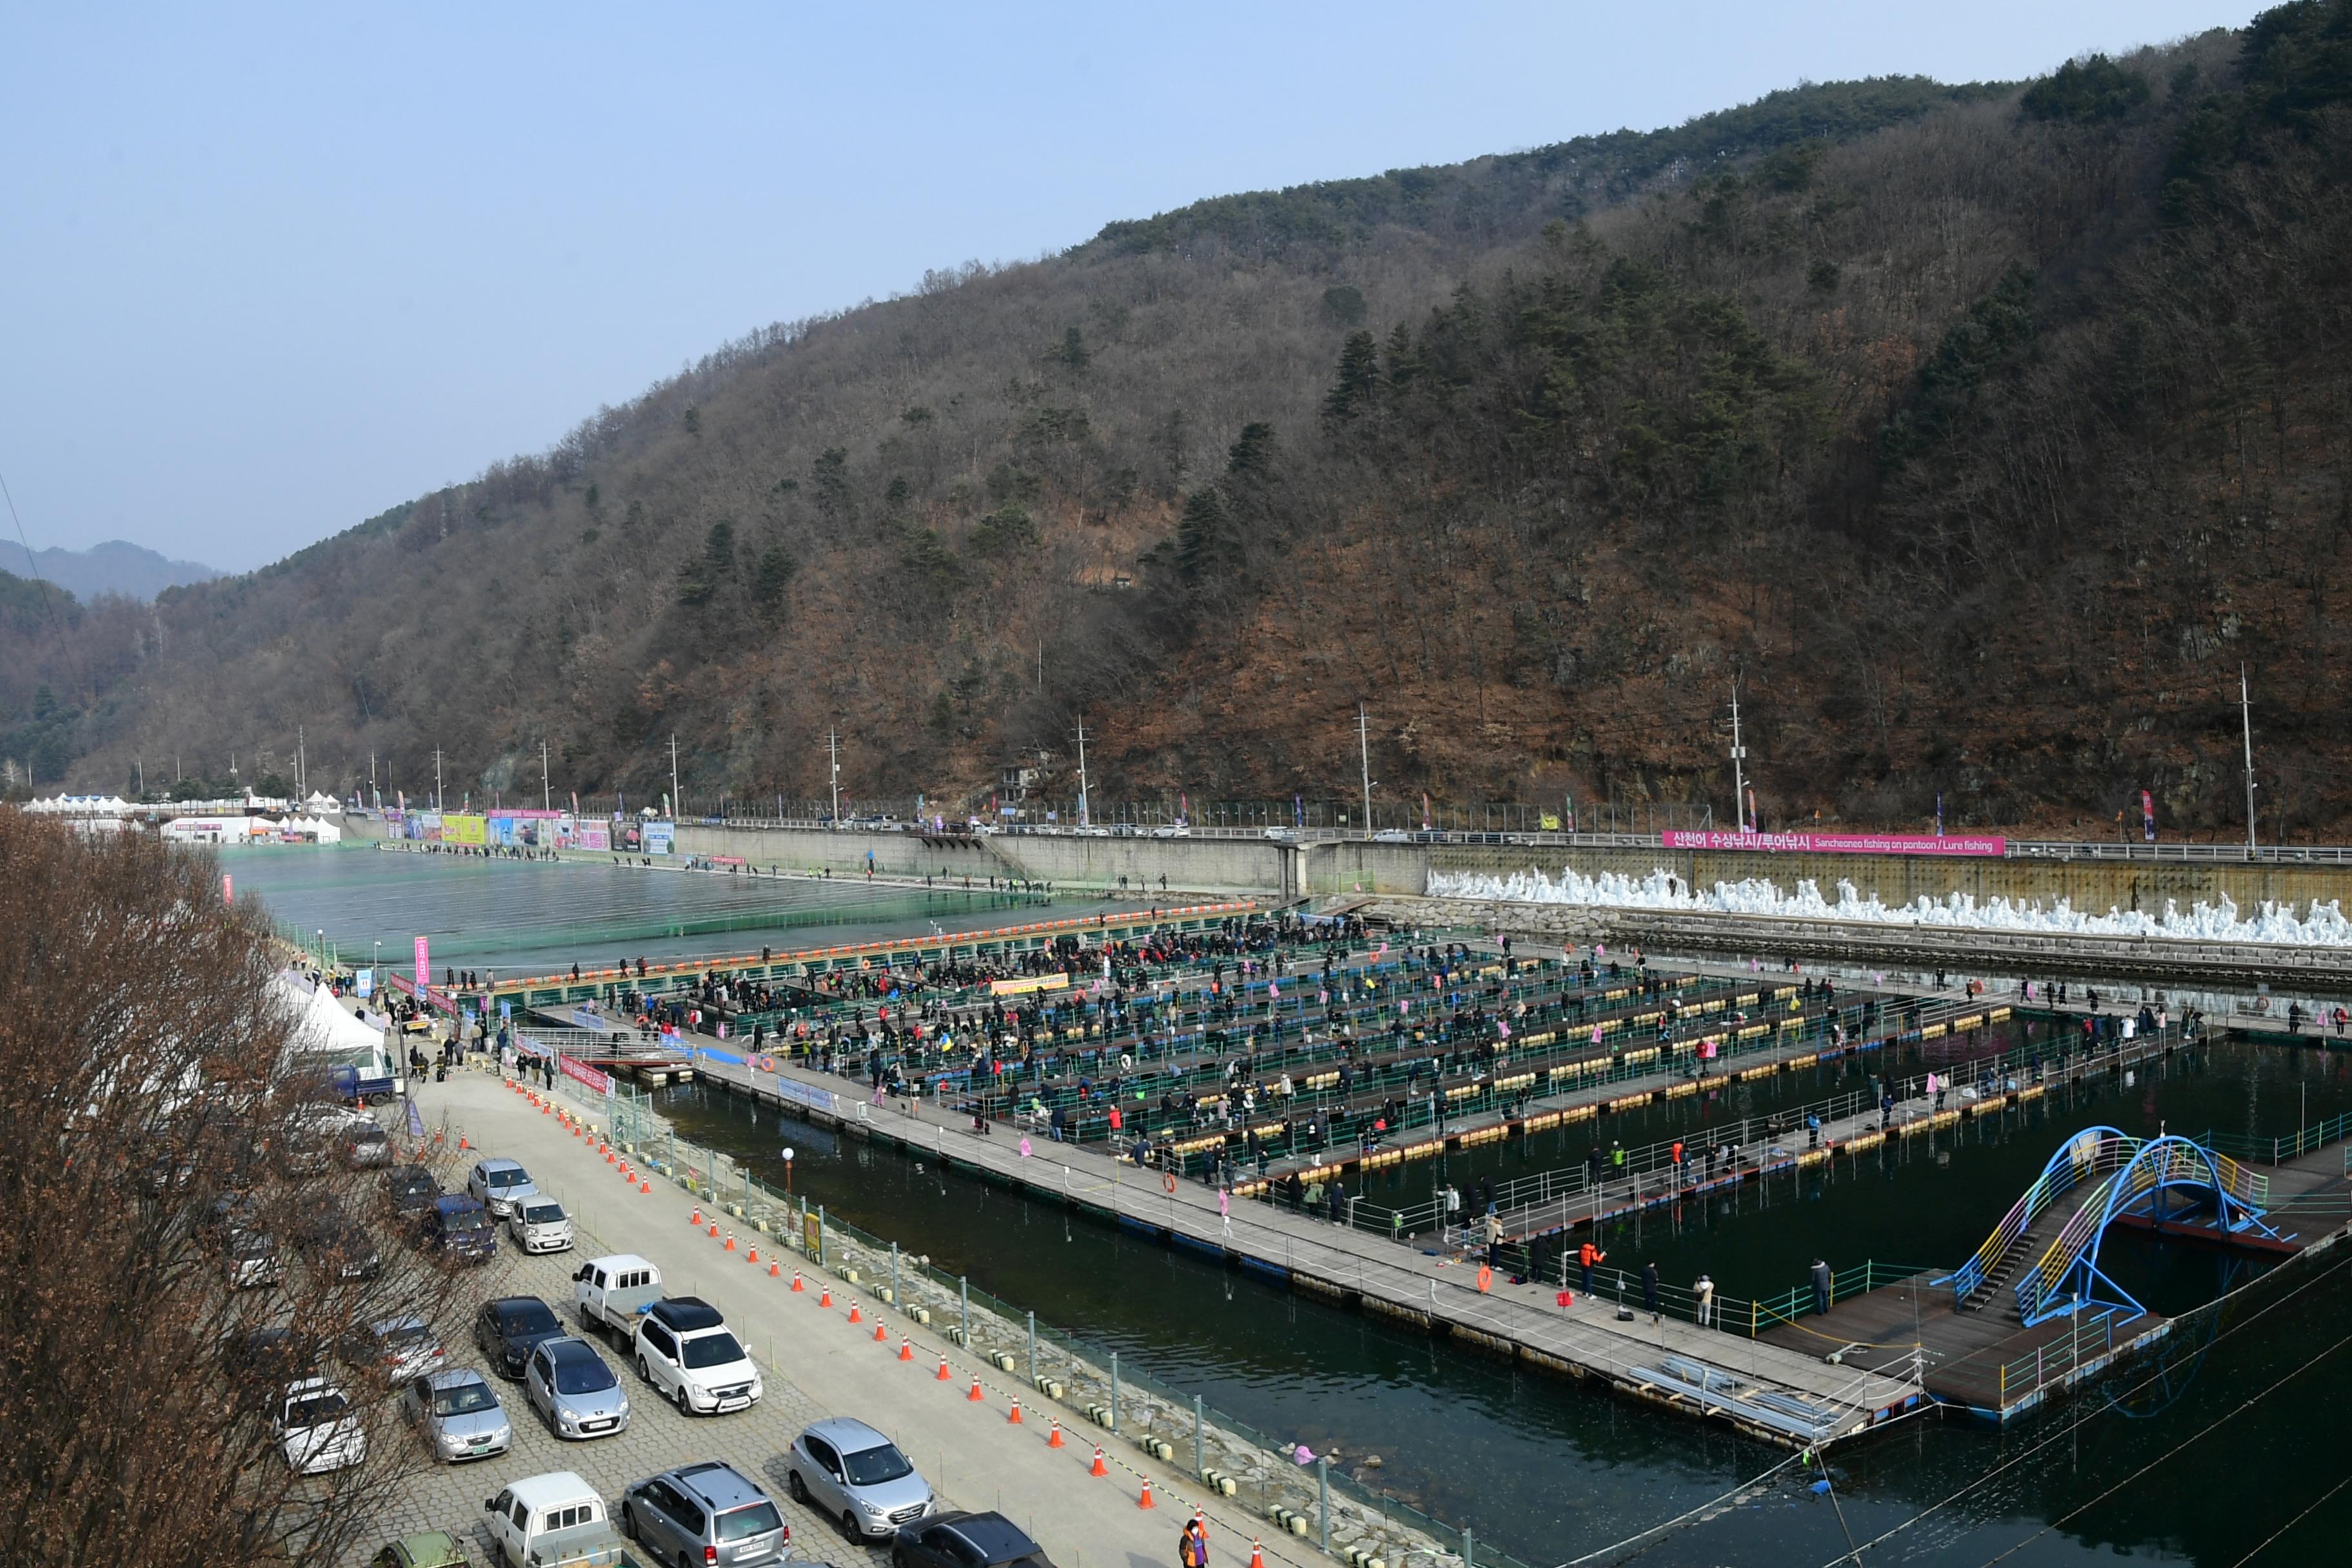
{"x": 615, "y": 1291}
{"x": 552, "y": 1518}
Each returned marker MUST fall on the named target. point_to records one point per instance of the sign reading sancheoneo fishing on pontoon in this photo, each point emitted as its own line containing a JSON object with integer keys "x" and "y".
{"x": 1840, "y": 842}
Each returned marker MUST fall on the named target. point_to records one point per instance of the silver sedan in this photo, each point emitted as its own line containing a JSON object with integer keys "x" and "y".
{"x": 458, "y": 1415}
{"x": 570, "y": 1386}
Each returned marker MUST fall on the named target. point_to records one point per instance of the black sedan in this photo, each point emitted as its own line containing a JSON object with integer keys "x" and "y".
{"x": 955, "y": 1540}
{"x": 505, "y": 1329}
{"x": 410, "y": 1191}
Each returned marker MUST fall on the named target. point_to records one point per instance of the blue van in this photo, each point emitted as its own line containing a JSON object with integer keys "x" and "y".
{"x": 457, "y": 1226}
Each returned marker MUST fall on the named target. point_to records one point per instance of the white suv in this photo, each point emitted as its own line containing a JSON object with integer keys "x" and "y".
{"x": 685, "y": 1350}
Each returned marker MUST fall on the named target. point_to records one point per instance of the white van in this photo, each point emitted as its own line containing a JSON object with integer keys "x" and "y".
{"x": 550, "y": 1518}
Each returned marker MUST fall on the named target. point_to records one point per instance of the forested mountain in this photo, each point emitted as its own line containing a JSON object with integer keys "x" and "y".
{"x": 115, "y": 566}
{"x": 1978, "y": 433}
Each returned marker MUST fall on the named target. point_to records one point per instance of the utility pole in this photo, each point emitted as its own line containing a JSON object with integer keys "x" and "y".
{"x": 675, "y": 806}
{"x": 436, "y": 778}
{"x": 546, "y": 788}
{"x": 1739, "y": 767}
{"x": 832, "y": 747}
{"x": 376, "y": 795}
{"x": 1364, "y": 760}
{"x": 1084, "y": 821}
{"x": 301, "y": 765}
{"x": 2246, "y": 716}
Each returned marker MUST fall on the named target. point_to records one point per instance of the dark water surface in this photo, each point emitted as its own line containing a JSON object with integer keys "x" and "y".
{"x": 1549, "y": 1469}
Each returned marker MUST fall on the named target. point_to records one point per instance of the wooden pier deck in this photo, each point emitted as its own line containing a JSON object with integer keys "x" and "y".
{"x": 1772, "y": 1392}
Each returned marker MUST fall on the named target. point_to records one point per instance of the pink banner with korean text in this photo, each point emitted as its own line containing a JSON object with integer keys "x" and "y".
{"x": 600, "y": 1082}
{"x": 1983, "y": 846}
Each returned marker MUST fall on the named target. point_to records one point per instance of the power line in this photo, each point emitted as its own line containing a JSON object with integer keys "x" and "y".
{"x": 2067, "y": 1430}
{"x": 2291, "y": 1523}
{"x": 2211, "y": 1426}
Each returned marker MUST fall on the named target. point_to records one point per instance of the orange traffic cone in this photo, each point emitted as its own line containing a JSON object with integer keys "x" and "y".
{"x": 696, "y": 1221}
{"x": 644, "y": 1185}
{"x": 1055, "y": 1441}
{"x": 943, "y": 1369}
{"x": 1015, "y": 1419}
{"x": 775, "y": 1269}
{"x": 1145, "y": 1500}
{"x": 906, "y": 1348}
{"x": 881, "y": 1334}
{"x": 1258, "y": 1554}
{"x": 461, "y": 1141}
{"x": 714, "y": 1230}
{"x": 974, "y": 1397}
{"x": 730, "y": 1241}
{"x": 753, "y": 1256}
{"x": 855, "y": 1315}
{"x": 1100, "y": 1469}
{"x": 825, "y": 1298}
{"x": 797, "y": 1286}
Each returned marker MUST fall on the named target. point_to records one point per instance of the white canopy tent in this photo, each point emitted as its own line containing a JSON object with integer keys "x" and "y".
{"x": 322, "y": 1025}
{"x": 322, "y": 804}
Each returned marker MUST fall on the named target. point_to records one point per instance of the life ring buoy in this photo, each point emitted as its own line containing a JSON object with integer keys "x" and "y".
{"x": 767, "y": 1064}
{"x": 1168, "y": 1181}
{"x": 1486, "y": 1278}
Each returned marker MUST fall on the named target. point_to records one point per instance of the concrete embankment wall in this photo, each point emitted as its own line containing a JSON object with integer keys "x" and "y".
{"x": 2095, "y": 885}
{"x": 1265, "y": 869}
{"x": 1189, "y": 865}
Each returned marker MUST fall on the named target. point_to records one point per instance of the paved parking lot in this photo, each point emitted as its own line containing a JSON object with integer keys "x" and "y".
{"x": 814, "y": 1364}
{"x": 658, "y": 1438}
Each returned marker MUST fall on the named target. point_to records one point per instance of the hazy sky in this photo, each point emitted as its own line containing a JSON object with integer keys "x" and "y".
{"x": 269, "y": 272}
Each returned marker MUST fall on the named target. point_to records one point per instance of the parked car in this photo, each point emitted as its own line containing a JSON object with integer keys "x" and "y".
{"x": 506, "y": 1328}
{"x": 459, "y": 1228}
{"x": 427, "y": 1549}
{"x": 540, "y": 1225}
{"x": 399, "y": 1349}
{"x": 612, "y": 1291}
{"x": 458, "y": 1415}
{"x": 253, "y": 1257}
{"x": 848, "y": 1472}
{"x": 685, "y": 1350}
{"x": 965, "y": 1541}
{"x": 499, "y": 1185}
{"x": 316, "y": 1429}
{"x": 549, "y": 1519}
{"x": 366, "y": 1144}
{"x": 573, "y": 1391}
{"x": 705, "y": 1513}
{"x": 409, "y": 1191}
{"x": 336, "y": 1243}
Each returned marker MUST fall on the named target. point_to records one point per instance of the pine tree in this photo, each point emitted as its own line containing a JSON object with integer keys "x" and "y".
{"x": 1359, "y": 379}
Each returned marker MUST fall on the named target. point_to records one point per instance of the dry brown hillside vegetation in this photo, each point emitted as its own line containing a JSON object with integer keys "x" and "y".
{"x": 1980, "y": 434}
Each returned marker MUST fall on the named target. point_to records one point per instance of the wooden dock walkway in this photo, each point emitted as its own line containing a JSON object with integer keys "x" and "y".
{"x": 1774, "y": 1392}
